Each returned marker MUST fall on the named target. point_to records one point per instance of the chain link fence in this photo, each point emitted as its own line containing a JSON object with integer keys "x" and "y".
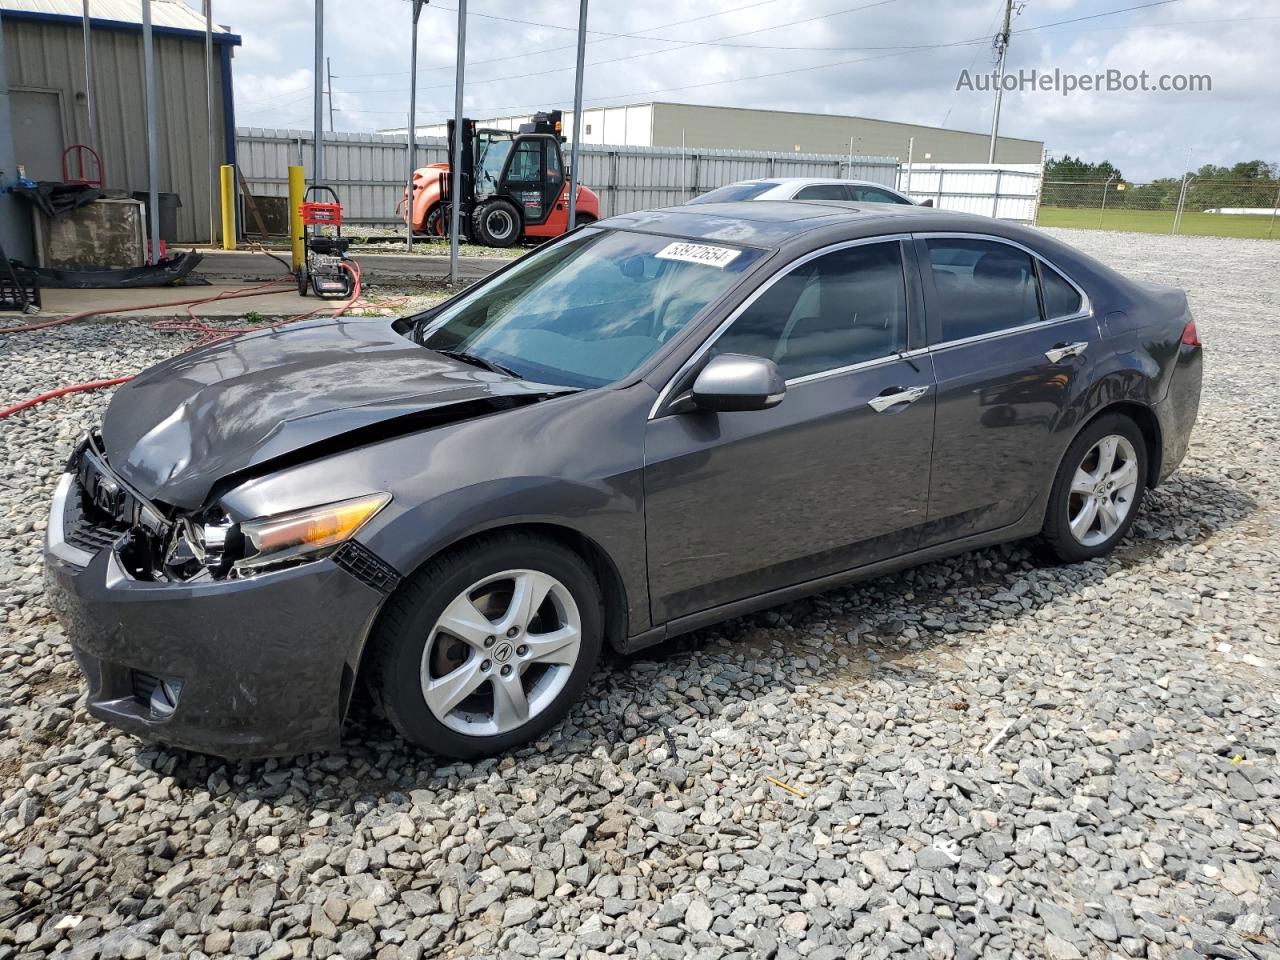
{"x": 1196, "y": 206}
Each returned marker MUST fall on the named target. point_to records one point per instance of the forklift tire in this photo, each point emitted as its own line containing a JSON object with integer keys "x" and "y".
{"x": 303, "y": 280}
{"x": 496, "y": 223}
{"x": 437, "y": 224}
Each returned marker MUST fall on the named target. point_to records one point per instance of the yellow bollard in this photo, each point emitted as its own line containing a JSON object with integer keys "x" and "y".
{"x": 228, "y": 207}
{"x": 297, "y": 189}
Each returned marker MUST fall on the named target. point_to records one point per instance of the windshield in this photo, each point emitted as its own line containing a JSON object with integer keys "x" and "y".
{"x": 736, "y": 191}
{"x": 590, "y": 309}
{"x": 492, "y": 147}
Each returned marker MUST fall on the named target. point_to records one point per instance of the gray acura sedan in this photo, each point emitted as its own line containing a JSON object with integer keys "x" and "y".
{"x": 656, "y": 422}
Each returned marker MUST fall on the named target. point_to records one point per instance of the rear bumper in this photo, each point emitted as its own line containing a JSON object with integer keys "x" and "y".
{"x": 256, "y": 667}
{"x": 1178, "y": 410}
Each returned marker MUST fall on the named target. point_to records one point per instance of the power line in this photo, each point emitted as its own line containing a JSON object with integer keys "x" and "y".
{"x": 920, "y": 48}
{"x": 719, "y": 41}
{"x": 570, "y": 46}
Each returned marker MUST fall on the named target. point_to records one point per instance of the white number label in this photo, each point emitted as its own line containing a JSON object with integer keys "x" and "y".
{"x": 718, "y": 257}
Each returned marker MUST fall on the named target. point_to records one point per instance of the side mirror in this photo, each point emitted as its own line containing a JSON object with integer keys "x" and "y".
{"x": 927, "y": 203}
{"x": 733, "y": 381}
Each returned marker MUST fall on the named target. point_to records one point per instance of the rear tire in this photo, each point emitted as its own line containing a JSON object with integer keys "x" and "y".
{"x": 303, "y": 280}
{"x": 496, "y": 223}
{"x": 465, "y": 667}
{"x": 437, "y": 224}
{"x": 1097, "y": 491}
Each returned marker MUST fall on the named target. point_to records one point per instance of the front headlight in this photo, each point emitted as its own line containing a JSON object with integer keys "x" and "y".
{"x": 309, "y": 533}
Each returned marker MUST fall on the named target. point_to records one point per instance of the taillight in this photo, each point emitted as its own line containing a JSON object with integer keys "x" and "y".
{"x": 1189, "y": 336}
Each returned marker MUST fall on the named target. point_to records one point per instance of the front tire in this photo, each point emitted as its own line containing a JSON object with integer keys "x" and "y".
{"x": 1097, "y": 491}
{"x": 497, "y": 223}
{"x": 487, "y": 646}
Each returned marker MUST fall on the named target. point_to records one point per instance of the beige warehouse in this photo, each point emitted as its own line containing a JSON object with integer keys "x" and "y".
{"x": 694, "y": 126}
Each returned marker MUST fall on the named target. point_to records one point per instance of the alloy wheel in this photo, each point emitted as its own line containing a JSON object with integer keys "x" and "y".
{"x": 1103, "y": 490}
{"x": 500, "y": 652}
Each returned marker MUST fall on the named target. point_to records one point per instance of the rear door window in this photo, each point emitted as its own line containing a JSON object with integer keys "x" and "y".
{"x": 983, "y": 287}
{"x": 823, "y": 191}
{"x": 876, "y": 195}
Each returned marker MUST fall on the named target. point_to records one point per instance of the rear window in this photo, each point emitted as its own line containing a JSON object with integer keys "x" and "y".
{"x": 736, "y": 191}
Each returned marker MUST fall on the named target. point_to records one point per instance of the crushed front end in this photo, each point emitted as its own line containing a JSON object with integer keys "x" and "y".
{"x": 203, "y": 631}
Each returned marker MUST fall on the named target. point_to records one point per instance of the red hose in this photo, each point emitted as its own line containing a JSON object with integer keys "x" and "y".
{"x": 211, "y": 334}
{"x": 94, "y": 385}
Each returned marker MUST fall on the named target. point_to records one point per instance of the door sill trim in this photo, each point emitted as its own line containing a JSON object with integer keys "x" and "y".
{"x": 762, "y": 601}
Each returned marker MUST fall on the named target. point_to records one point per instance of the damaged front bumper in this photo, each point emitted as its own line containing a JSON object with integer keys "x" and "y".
{"x": 238, "y": 667}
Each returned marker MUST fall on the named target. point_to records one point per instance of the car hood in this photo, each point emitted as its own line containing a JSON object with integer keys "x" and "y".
{"x": 307, "y": 389}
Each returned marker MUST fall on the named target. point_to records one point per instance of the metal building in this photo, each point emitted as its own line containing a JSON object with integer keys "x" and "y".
{"x": 742, "y": 128}
{"x": 49, "y": 99}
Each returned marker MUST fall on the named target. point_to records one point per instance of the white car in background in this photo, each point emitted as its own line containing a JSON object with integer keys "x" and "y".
{"x": 805, "y": 188}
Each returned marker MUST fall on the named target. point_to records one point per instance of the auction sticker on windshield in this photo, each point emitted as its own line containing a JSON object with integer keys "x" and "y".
{"x": 718, "y": 257}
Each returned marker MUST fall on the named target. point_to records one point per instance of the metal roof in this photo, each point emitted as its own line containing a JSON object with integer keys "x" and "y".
{"x": 173, "y": 14}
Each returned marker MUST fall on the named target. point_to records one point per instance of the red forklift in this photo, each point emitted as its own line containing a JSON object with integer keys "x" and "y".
{"x": 514, "y": 186}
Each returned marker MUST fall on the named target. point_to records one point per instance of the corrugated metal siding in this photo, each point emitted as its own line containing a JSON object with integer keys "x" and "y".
{"x": 50, "y": 55}
{"x": 782, "y": 130}
{"x": 368, "y": 170}
{"x": 164, "y": 13}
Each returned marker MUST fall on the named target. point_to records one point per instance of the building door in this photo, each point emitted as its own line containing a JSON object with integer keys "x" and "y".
{"x": 37, "y": 132}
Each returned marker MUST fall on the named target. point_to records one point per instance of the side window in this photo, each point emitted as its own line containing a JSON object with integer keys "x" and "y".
{"x": 525, "y": 162}
{"x": 1060, "y": 297}
{"x": 983, "y": 287}
{"x": 842, "y": 308}
{"x": 553, "y": 161}
{"x": 875, "y": 195}
{"x": 823, "y": 191}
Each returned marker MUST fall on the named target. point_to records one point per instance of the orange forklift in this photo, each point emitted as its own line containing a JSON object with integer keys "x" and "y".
{"x": 514, "y": 186}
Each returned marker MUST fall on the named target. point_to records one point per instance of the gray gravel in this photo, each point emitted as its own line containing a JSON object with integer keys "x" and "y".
{"x": 978, "y": 757}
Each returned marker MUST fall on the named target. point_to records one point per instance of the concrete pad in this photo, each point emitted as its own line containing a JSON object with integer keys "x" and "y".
{"x": 385, "y": 267}
{"x": 283, "y": 302}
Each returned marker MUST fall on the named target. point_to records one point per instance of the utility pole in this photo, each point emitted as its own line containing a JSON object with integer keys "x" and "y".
{"x": 1002, "y": 46}
{"x": 413, "y": 120}
{"x": 577, "y": 116}
{"x": 455, "y": 161}
{"x": 328, "y": 74}
{"x": 153, "y": 163}
{"x": 90, "y": 86}
{"x": 317, "y": 126}
{"x": 208, "y": 106}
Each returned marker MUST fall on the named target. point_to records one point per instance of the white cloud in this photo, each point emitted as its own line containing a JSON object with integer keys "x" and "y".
{"x": 1145, "y": 134}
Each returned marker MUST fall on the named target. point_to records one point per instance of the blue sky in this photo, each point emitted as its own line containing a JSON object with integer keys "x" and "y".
{"x": 890, "y": 59}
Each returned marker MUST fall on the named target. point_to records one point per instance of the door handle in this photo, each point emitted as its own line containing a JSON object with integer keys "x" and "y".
{"x": 1060, "y": 351}
{"x": 896, "y": 396}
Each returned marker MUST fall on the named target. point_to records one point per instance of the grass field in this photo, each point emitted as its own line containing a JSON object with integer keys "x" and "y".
{"x": 1161, "y": 221}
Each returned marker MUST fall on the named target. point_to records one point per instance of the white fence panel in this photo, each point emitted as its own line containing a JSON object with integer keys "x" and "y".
{"x": 368, "y": 169}
{"x": 1005, "y": 192}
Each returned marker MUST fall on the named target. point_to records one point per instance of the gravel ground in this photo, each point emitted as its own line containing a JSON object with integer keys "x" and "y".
{"x": 978, "y": 757}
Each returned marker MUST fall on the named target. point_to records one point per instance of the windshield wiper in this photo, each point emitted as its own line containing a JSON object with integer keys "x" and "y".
{"x": 481, "y": 362}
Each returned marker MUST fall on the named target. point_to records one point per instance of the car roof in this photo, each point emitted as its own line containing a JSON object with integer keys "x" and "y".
{"x": 790, "y": 180}
{"x": 774, "y": 223}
